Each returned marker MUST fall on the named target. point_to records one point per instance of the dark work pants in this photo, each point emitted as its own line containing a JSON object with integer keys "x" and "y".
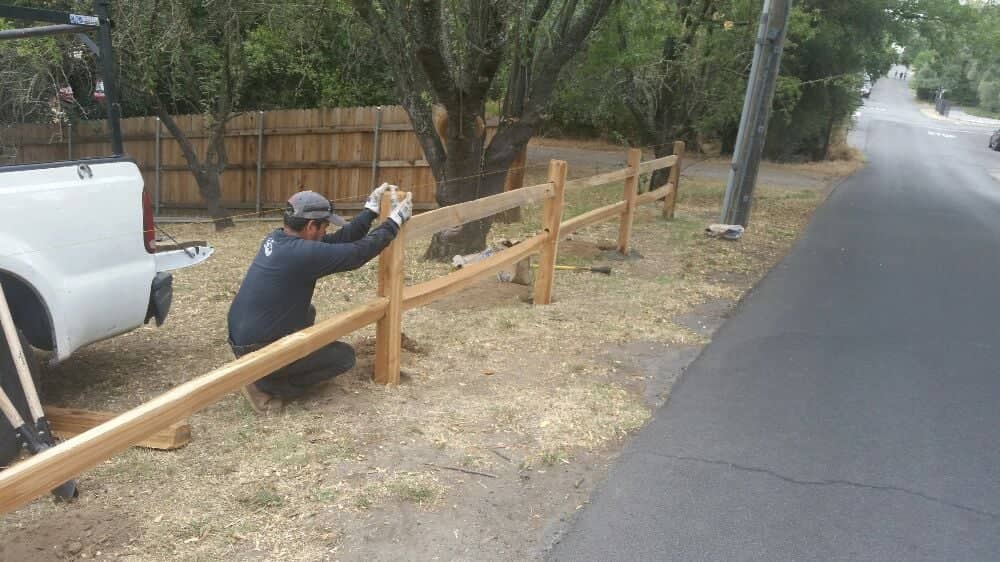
{"x": 291, "y": 381}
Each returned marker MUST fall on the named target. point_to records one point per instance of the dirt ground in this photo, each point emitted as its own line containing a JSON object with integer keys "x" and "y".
{"x": 507, "y": 416}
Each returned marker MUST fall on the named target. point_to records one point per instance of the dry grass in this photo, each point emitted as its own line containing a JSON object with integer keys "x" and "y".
{"x": 844, "y": 152}
{"x": 845, "y": 161}
{"x": 492, "y": 374}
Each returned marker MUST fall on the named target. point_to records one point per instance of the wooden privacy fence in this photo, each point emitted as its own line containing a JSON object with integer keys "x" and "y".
{"x": 39, "y": 474}
{"x": 340, "y": 152}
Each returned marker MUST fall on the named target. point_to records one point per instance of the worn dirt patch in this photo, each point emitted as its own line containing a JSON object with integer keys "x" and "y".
{"x": 99, "y": 533}
{"x": 657, "y": 365}
{"x": 704, "y": 319}
{"x": 488, "y": 294}
{"x": 580, "y": 249}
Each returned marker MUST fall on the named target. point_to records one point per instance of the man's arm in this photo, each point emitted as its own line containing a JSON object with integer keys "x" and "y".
{"x": 324, "y": 259}
{"x": 354, "y": 230}
{"x": 361, "y": 223}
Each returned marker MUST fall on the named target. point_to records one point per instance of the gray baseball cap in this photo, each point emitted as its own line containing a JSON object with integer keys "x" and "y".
{"x": 313, "y": 206}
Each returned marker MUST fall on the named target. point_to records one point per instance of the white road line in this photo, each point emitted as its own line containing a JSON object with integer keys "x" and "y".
{"x": 964, "y": 131}
{"x": 937, "y": 134}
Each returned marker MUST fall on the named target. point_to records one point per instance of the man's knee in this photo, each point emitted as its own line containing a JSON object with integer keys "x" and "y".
{"x": 342, "y": 355}
{"x": 322, "y": 365}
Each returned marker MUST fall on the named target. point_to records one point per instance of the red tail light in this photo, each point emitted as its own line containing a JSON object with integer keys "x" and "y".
{"x": 148, "y": 228}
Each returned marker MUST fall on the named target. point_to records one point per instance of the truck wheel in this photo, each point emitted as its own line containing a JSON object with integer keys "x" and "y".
{"x": 9, "y": 446}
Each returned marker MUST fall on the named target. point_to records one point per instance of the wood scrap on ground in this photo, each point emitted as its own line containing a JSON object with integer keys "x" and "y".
{"x": 69, "y": 422}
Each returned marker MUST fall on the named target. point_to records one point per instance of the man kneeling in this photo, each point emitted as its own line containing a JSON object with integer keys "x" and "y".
{"x": 275, "y": 298}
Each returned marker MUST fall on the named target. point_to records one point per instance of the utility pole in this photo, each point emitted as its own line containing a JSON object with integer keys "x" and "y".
{"x": 756, "y": 111}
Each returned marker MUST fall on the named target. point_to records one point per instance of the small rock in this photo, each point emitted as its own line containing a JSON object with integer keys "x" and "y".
{"x": 74, "y": 547}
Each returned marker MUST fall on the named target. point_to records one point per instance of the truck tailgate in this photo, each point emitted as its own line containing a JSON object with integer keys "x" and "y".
{"x": 169, "y": 258}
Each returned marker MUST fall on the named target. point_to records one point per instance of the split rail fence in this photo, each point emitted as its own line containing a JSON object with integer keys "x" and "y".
{"x": 37, "y": 475}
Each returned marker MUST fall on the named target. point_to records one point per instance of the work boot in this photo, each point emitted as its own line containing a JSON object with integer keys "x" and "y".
{"x": 260, "y": 401}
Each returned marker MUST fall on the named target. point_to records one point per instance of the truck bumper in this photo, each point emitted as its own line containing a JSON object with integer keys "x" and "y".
{"x": 169, "y": 259}
{"x": 160, "y": 297}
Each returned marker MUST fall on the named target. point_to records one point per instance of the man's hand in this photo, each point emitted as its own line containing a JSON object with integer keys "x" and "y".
{"x": 403, "y": 210}
{"x": 375, "y": 199}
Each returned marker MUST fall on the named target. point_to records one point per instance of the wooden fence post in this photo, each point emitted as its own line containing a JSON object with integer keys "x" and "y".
{"x": 675, "y": 178}
{"x": 389, "y": 329}
{"x": 376, "y": 147}
{"x": 551, "y": 219}
{"x": 260, "y": 160}
{"x": 515, "y": 180}
{"x": 631, "y": 192}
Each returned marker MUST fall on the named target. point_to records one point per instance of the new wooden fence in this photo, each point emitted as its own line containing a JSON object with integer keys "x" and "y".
{"x": 36, "y": 476}
{"x": 340, "y": 152}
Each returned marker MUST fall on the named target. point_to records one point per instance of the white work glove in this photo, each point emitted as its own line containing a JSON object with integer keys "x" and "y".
{"x": 374, "y": 200}
{"x": 402, "y": 210}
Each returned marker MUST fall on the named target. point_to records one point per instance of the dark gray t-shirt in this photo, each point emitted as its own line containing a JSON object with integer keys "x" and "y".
{"x": 274, "y": 299}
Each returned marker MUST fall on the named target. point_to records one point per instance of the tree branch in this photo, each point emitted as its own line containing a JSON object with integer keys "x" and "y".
{"x": 194, "y": 163}
{"x": 489, "y": 48}
{"x": 427, "y": 34}
{"x": 392, "y": 38}
{"x": 516, "y": 129}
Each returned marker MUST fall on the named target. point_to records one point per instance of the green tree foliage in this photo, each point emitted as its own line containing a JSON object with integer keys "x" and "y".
{"x": 182, "y": 56}
{"x": 261, "y": 55}
{"x": 666, "y": 69}
{"x": 32, "y": 71}
{"x": 830, "y": 44}
{"x": 658, "y": 70}
{"x": 298, "y": 60}
{"x": 654, "y": 70}
{"x": 451, "y": 54}
{"x": 211, "y": 57}
{"x": 984, "y": 46}
{"x": 955, "y": 48}
{"x": 221, "y": 57}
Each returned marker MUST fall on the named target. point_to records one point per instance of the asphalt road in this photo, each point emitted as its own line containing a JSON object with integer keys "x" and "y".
{"x": 850, "y": 409}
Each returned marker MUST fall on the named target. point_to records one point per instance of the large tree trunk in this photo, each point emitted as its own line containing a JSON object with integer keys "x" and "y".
{"x": 660, "y": 177}
{"x": 206, "y": 174}
{"x": 432, "y": 64}
{"x": 470, "y": 237}
{"x": 211, "y": 192}
{"x": 467, "y": 175}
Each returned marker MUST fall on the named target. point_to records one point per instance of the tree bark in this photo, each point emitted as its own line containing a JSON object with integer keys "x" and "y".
{"x": 464, "y": 179}
{"x": 438, "y": 62}
{"x": 207, "y": 173}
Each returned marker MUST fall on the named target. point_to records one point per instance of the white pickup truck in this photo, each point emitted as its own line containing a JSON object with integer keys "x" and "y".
{"x": 78, "y": 258}
{"x": 78, "y": 255}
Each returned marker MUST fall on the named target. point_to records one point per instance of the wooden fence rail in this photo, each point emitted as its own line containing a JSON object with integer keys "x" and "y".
{"x": 37, "y": 475}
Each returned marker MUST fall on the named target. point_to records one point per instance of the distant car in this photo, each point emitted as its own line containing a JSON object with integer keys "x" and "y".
{"x": 995, "y": 140}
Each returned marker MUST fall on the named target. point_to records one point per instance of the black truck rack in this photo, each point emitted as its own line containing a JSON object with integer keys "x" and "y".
{"x": 80, "y": 25}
